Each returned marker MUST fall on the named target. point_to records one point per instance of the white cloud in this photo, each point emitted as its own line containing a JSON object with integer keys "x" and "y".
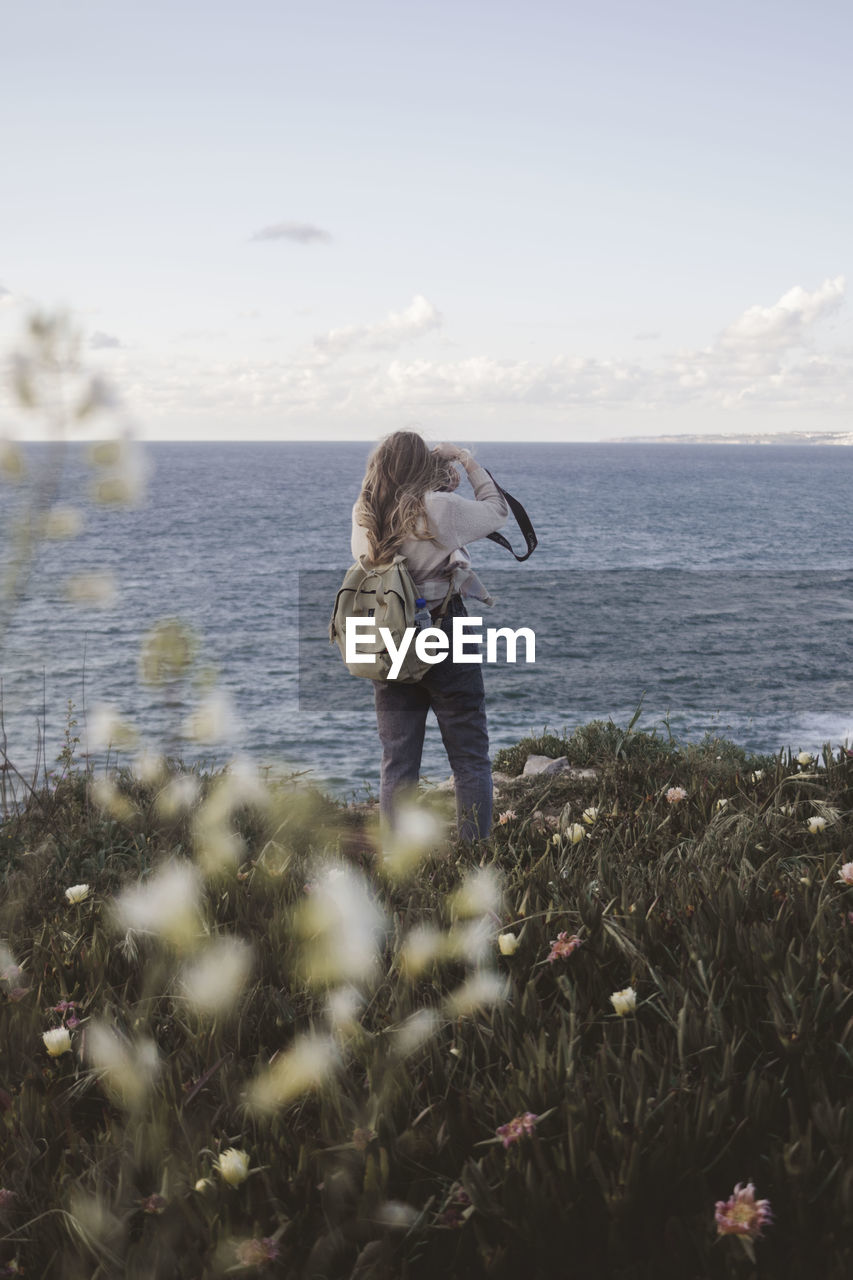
{"x": 418, "y": 318}
{"x": 785, "y": 324}
{"x": 300, "y": 232}
{"x": 765, "y": 359}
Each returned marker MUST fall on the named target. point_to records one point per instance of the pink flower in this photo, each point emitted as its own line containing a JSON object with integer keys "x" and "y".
{"x": 153, "y": 1204}
{"x": 563, "y": 946}
{"x": 845, "y": 875}
{"x": 675, "y": 794}
{"x": 254, "y": 1253}
{"x": 521, "y": 1127}
{"x": 742, "y": 1214}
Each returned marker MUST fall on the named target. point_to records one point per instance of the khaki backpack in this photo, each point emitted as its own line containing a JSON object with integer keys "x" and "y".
{"x": 387, "y": 594}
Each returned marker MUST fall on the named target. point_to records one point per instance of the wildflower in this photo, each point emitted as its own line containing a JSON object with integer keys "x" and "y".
{"x": 522, "y": 1126}
{"x": 341, "y": 924}
{"x": 479, "y": 894}
{"x": 202, "y": 1185}
{"x": 57, "y": 1041}
{"x": 415, "y": 1031}
{"x": 308, "y": 1061}
{"x": 816, "y": 824}
{"x": 479, "y": 991}
{"x": 96, "y": 589}
{"x": 422, "y": 946}
{"x": 742, "y": 1214}
{"x": 255, "y": 1253}
{"x": 574, "y": 833}
{"x": 563, "y": 946}
{"x": 396, "y": 1215}
{"x": 804, "y": 759}
{"x": 756, "y": 775}
{"x": 508, "y": 815}
{"x": 722, "y": 802}
{"x": 107, "y": 729}
{"x": 127, "y": 1068}
{"x": 508, "y": 943}
{"x": 845, "y": 875}
{"x": 233, "y": 1166}
{"x": 590, "y": 815}
{"x": 153, "y": 1204}
{"x": 675, "y": 795}
{"x": 214, "y": 981}
{"x": 167, "y": 903}
{"x": 77, "y": 893}
{"x": 624, "y": 1002}
{"x": 556, "y": 838}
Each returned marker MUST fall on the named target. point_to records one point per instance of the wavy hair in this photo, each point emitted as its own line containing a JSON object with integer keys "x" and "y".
{"x": 390, "y": 507}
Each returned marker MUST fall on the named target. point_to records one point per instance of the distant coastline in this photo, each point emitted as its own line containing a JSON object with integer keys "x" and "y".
{"x": 735, "y": 437}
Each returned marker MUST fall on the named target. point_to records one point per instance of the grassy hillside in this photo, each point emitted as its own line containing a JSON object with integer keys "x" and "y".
{"x": 285, "y": 1050}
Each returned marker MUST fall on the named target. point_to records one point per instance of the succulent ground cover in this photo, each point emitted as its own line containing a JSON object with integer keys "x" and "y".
{"x": 240, "y": 1036}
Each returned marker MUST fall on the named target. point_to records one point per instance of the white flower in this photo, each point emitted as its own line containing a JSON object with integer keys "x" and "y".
{"x": 816, "y": 824}
{"x": 57, "y": 1041}
{"x": 342, "y": 926}
{"x": 479, "y": 894}
{"x": 722, "y": 802}
{"x": 107, "y": 729}
{"x": 757, "y": 775}
{"x": 590, "y": 815}
{"x": 233, "y": 1166}
{"x": 508, "y": 815}
{"x": 167, "y": 903}
{"x": 508, "y": 944}
{"x": 675, "y": 795}
{"x": 305, "y": 1065}
{"x": 574, "y": 833}
{"x": 214, "y": 981}
{"x": 77, "y": 893}
{"x": 128, "y": 1067}
{"x": 845, "y": 875}
{"x": 804, "y": 759}
{"x": 624, "y": 1002}
{"x": 415, "y": 1031}
{"x": 479, "y": 991}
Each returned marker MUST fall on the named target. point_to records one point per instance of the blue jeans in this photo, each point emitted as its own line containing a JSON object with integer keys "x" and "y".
{"x": 455, "y": 693}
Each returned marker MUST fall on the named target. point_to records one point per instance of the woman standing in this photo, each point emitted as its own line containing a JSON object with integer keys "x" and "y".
{"x": 407, "y": 506}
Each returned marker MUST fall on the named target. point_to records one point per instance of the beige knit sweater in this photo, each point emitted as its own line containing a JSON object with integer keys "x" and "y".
{"x": 455, "y": 521}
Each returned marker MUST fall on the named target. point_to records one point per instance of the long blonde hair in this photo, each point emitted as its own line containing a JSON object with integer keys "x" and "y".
{"x": 390, "y": 507}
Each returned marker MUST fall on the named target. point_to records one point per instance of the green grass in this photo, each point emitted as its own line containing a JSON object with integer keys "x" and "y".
{"x": 729, "y": 922}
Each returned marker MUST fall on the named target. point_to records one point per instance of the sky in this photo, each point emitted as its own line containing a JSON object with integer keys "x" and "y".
{"x": 490, "y": 219}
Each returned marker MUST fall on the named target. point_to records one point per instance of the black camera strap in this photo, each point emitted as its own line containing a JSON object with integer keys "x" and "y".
{"x": 522, "y": 520}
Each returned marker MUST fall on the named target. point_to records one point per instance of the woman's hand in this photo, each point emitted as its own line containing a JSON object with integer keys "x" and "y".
{"x": 453, "y": 453}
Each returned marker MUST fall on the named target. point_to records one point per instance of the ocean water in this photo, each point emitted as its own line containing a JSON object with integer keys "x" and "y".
{"x": 714, "y": 583}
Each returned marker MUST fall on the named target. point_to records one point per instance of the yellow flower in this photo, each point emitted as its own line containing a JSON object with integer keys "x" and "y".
{"x": 624, "y": 1002}
{"x": 508, "y": 944}
{"x": 816, "y": 824}
{"x": 575, "y": 833}
{"x": 77, "y": 893}
{"x": 590, "y": 815}
{"x": 804, "y": 759}
{"x": 233, "y": 1166}
{"x": 57, "y": 1041}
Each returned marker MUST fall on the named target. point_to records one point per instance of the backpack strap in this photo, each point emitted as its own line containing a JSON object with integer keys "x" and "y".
{"x": 522, "y": 520}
